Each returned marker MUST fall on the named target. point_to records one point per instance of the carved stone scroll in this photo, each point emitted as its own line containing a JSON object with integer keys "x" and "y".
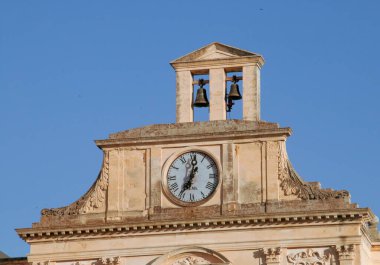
{"x": 94, "y": 198}
{"x": 308, "y": 257}
{"x": 292, "y": 183}
{"x": 191, "y": 260}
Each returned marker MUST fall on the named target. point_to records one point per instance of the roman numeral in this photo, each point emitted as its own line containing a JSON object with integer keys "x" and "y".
{"x": 183, "y": 160}
{"x": 192, "y": 197}
{"x": 203, "y": 195}
{"x": 172, "y": 177}
{"x": 174, "y": 187}
{"x": 212, "y": 176}
{"x": 204, "y": 156}
{"x": 210, "y": 166}
{"x": 210, "y": 186}
{"x": 174, "y": 167}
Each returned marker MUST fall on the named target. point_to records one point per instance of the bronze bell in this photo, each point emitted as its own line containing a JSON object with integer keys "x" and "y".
{"x": 234, "y": 90}
{"x": 201, "y": 100}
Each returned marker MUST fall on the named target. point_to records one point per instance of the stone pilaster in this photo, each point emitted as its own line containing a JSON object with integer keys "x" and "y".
{"x": 115, "y": 173}
{"x": 272, "y": 156}
{"x": 155, "y": 178}
{"x": 229, "y": 183}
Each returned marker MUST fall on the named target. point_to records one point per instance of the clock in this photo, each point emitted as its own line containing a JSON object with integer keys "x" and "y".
{"x": 191, "y": 178}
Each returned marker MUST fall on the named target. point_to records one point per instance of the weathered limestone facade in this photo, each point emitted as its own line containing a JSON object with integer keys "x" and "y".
{"x": 262, "y": 212}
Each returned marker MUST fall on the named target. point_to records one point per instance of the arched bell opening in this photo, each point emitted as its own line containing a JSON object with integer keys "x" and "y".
{"x": 192, "y": 256}
{"x": 201, "y": 92}
{"x": 234, "y": 92}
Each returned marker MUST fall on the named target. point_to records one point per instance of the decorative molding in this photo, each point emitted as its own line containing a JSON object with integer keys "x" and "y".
{"x": 46, "y": 234}
{"x": 308, "y": 257}
{"x": 110, "y": 260}
{"x": 195, "y": 131}
{"x": 94, "y": 198}
{"x": 292, "y": 184}
{"x": 345, "y": 252}
{"x": 272, "y": 255}
{"x": 191, "y": 260}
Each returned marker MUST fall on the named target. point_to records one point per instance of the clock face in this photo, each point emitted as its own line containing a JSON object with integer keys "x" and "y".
{"x": 192, "y": 178}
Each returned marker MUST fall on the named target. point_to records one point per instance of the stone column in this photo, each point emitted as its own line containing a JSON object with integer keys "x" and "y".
{"x": 184, "y": 96}
{"x": 251, "y": 92}
{"x": 217, "y": 94}
{"x": 346, "y": 254}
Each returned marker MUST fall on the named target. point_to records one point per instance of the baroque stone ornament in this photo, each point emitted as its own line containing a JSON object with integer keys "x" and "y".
{"x": 346, "y": 252}
{"x": 94, "y": 197}
{"x": 42, "y": 263}
{"x": 191, "y": 260}
{"x": 292, "y": 184}
{"x": 110, "y": 260}
{"x": 272, "y": 255}
{"x": 308, "y": 257}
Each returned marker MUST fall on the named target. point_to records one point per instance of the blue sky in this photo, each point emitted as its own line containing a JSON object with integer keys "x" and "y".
{"x": 75, "y": 71}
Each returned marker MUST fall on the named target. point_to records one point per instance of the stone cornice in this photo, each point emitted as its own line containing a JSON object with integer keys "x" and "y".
{"x": 363, "y": 215}
{"x": 225, "y": 63}
{"x": 165, "y": 139}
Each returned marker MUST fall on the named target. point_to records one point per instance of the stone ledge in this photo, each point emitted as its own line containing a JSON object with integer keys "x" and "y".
{"x": 189, "y": 128}
{"x": 195, "y": 131}
{"x": 363, "y": 216}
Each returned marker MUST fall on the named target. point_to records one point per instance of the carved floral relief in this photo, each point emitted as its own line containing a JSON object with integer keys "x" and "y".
{"x": 272, "y": 255}
{"x": 191, "y": 260}
{"x": 346, "y": 252}
{"x": 110, "y": 260}
{"x": 308, "y": 257}
{"x": 43, "y": 263}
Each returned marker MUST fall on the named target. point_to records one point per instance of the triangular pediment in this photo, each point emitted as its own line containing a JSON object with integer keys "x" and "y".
{"x": 214, "y": 51}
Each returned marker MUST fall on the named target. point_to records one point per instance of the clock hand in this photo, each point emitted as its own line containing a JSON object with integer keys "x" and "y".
{"x": 188, "y": 177}
{"x": 194, "y": 168}
{"x": 187, "y": 166}
{"x": 194, "y": 160}
{"x": 187, "y": 184}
